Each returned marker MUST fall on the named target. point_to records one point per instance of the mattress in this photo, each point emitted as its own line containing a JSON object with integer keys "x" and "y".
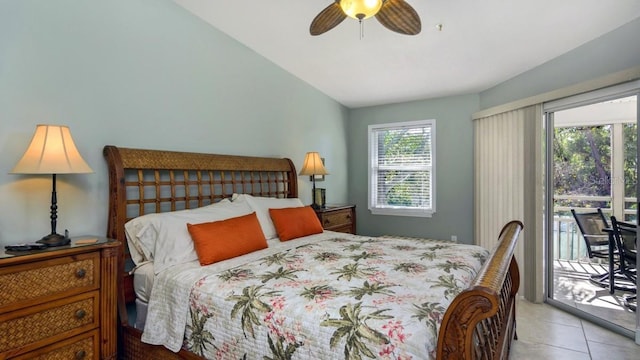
{"x": 143, "y": 276}
{"x": 141, "y": 314}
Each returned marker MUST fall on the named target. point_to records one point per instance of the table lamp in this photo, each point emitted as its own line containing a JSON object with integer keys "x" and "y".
{"x": 52, "y": 151}
{"x": 313, "y": 166}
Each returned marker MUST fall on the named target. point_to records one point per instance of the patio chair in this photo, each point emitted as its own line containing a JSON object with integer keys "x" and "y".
{"x": 625, "y": 236}
{"x": 592, "y": 225}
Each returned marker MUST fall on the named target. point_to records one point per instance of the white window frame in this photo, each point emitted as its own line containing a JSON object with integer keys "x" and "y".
{"x": 373, "y": 169}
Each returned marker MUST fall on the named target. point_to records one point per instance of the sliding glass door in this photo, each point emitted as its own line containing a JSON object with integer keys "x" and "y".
{"x": 592, "y": 165}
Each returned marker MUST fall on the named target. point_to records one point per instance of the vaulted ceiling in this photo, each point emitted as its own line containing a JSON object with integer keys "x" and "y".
{"x": 481, "y": 43}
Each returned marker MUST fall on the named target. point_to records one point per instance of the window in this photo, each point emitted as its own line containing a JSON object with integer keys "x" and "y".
{"x": 402, "y": 168}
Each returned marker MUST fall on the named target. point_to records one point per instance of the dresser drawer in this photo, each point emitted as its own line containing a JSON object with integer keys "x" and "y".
{"x": 36, "y": 326}
{"x": 337, "y": 219}
{"x": 28, "y": 284}
{"x": 343, "y": 229}
{"x": 81, "y": 347}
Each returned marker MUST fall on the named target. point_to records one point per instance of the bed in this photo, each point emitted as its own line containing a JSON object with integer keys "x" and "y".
{"x": 475, "y": 320}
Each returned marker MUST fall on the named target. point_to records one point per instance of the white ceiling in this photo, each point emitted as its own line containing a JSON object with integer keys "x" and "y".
{"x": 482, "y": 43}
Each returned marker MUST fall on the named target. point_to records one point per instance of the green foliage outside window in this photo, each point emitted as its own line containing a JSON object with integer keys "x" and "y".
{"x": 582, "y": 164}
{"x": 399, "y": 148}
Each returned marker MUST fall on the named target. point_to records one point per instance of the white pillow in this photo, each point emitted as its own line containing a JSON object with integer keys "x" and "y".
{"x": 261, "y": 206}
{"x": 131, "y": 228}
{"x": 139, "y": 226}
{"x": 164, "y": 238}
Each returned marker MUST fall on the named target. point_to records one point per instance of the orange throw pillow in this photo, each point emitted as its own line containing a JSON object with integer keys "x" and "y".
{"x": 295, "y": 222}
{"x": 225, "y": 239}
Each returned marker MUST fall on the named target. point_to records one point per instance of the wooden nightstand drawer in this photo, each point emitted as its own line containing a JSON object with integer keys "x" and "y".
{"x": 33, "y": 327}
{"x": 60, "y": 303}
{"x": 28, "y": 284}
{"x": 344, "y": 229}
{"x": 81, "y": 347}
{"x": 338, "y": 218}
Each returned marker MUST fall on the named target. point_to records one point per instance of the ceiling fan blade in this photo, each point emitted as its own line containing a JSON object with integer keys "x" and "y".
{"x": 328, "y": 18}
{"x": 398, "y": 16}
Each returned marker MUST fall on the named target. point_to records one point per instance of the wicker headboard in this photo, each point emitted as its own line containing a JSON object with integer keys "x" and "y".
{"x": 152, "y": 181}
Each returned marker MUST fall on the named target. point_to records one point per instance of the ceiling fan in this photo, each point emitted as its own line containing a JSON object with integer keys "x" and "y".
{"x": 395, "y": 15}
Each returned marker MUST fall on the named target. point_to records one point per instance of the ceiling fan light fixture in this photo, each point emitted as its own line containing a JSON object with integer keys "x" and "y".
{"x": 360, "y": 9}
{"x": 395, "y": 15}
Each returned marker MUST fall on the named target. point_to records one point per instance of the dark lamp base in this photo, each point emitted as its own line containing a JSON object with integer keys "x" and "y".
{"x": 52, "y": 240}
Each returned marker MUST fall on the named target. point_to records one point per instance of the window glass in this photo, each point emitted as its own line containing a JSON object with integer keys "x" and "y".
{"x": 402, "y": 168}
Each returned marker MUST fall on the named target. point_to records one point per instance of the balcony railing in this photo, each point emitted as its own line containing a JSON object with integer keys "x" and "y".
{"x": 568, "y": 243}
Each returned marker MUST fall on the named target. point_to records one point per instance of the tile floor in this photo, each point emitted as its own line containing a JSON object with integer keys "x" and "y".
{"x": 545, "y": 332}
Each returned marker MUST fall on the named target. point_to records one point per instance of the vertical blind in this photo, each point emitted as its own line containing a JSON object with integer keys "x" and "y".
{"x": 503, "y": 183}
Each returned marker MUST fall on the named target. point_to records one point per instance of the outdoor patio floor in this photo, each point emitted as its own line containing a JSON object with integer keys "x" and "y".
{"x": 572, "y": 286}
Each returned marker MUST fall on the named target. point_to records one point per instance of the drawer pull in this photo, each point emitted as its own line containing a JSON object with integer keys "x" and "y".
{"x": 349, "y": 216}
{"x": 80, "y": 273}
{"x": 81, "y": 355}
{"x": 326, "y": 221}
{"x": 80, "y": 314}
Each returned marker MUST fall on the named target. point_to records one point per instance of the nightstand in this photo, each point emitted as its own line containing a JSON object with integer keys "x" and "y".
{"x": 340, "y": 218}
{"x": 60, "y": 302}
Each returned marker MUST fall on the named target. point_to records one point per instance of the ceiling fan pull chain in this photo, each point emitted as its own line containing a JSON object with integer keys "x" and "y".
{"x": 361, "y": 29}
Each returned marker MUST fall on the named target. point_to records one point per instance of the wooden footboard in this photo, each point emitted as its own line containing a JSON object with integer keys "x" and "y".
{"x": 480, "y": 322}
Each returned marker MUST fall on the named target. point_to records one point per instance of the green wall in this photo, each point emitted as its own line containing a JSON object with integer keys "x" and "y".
{"x": 142, "y": 73}
{"x": 454, "y": 164}
{"x": 612, "y": 52}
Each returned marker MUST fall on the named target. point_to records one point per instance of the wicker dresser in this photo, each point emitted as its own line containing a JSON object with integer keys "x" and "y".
{"x": 340, "y": 218}
{"x": 60, "y": 303}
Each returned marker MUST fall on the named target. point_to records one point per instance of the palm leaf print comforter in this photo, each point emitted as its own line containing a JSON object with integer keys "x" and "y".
{"x": 327, "y": 296}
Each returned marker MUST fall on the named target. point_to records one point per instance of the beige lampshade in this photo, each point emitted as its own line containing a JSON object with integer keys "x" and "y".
{"x": 51, "y": 151}
{"x": 313, "y": 165}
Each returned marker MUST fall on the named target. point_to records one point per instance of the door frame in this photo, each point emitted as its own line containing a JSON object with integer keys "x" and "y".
{"x": 549, "y": 108}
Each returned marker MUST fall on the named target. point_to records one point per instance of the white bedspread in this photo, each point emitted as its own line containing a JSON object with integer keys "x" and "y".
{"x": 314, "y": 297}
